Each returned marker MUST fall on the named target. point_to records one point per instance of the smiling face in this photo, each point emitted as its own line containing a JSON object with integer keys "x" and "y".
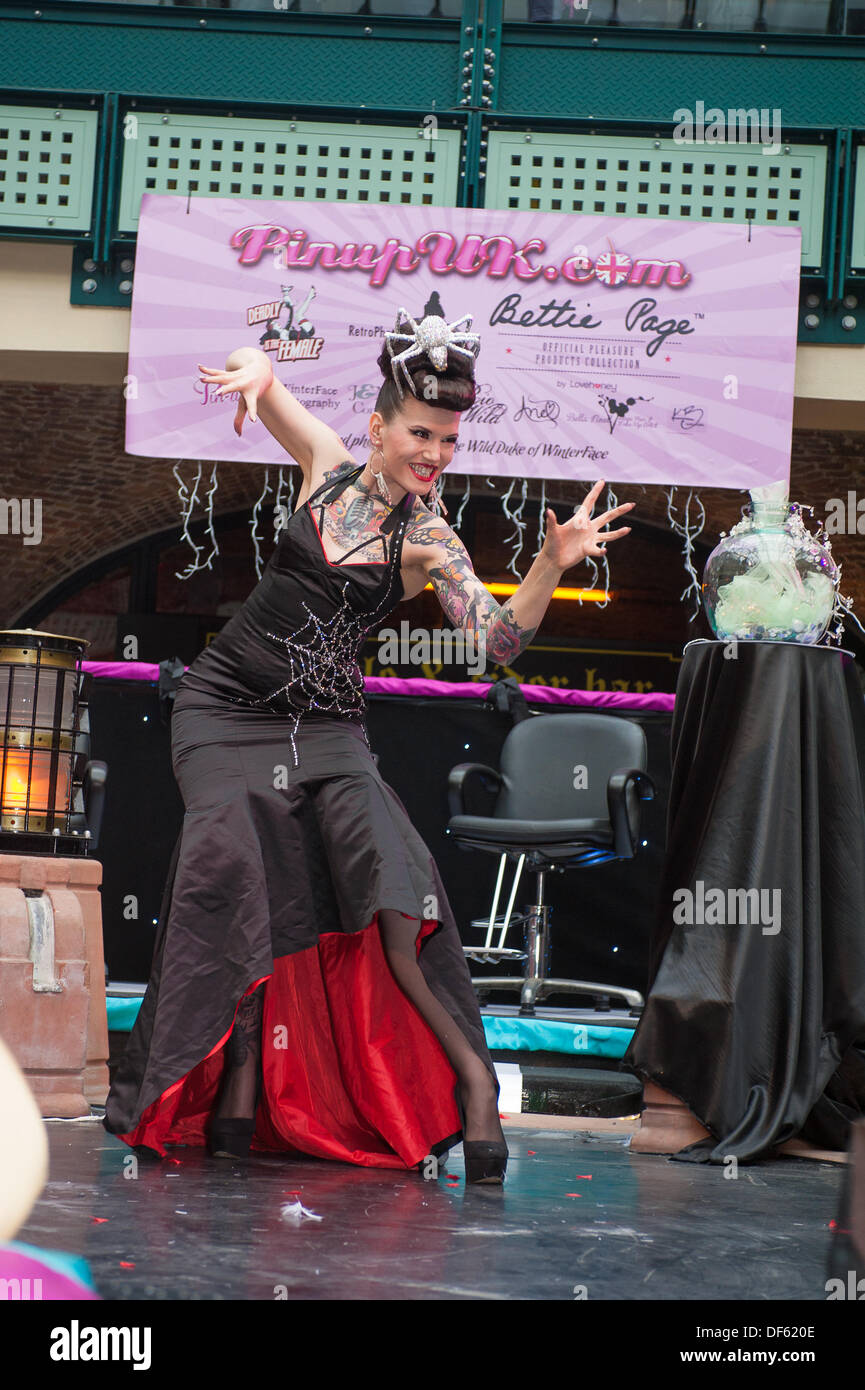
{"x": 417, "y": 445}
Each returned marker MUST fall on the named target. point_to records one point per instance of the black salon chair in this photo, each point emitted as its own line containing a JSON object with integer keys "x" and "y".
{"x": 88, "y": 776}
{"x": 568, "y": 795}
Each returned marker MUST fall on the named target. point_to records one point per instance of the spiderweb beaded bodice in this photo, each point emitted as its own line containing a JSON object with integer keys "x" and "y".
{"x": 293, "y": 647}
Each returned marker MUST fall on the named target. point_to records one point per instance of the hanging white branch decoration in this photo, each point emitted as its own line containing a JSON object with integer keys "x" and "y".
{"x": 606, "y": 581}
{"x": 211, "y": 493}
{"x": 518, "y": 518}
{"x": 689, "y": 531}
{"x": 187, "y": 509}
{"x": 519, "y": 524}
{"x": 594, "y": 580}
{"x": 590, "y": 561}
{"x": 188, "y": 501}
{"x": 280, "y": 510}
{"x": 463, "y": 500}
{"x": 254, "y": 523}
{"x": 612, "y": 502}
{"x": 542, "y": 518}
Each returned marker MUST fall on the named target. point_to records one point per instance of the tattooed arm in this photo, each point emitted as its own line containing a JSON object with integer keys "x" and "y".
{"x": 507, "y": 628}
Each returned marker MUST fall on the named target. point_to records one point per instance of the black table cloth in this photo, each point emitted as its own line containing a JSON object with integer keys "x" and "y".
{"x": 755, "y": 1015}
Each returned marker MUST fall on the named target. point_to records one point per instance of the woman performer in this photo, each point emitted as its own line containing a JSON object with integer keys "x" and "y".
{"x": 309, "y": 991}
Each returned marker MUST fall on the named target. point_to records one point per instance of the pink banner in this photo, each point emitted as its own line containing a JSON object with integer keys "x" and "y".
{"x": 635, "y": 349}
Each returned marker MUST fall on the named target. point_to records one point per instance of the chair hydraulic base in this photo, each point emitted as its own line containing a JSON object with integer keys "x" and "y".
{"x": 536, "y": 984}
{"x": 534, "y": 988}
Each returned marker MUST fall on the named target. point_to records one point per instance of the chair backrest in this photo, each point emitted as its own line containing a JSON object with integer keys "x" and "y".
{"x": 557, "y": 766}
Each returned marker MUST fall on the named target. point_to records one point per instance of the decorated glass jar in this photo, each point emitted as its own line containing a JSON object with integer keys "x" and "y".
{"x": 770, "y": 579}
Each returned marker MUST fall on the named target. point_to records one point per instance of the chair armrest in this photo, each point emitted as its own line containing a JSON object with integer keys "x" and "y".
{"x": 95, "y": 777}
{"x": 626, "y": 829}
{"x": 457, "y": 780}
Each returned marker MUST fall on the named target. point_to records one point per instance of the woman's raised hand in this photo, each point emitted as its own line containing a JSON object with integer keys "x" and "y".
{"x": 251, "y": 380}
{"x": 582, "y": 536}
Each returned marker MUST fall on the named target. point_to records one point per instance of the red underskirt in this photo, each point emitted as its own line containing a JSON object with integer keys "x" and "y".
{"x": 351, "y": 1070}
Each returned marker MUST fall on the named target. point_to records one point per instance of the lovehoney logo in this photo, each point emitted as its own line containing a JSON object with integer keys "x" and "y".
{"x": 733, "y": 907}
{"x": 21, "y": 516}
{"x": 421, "y": 647}
{"x": 77, "y": 1343}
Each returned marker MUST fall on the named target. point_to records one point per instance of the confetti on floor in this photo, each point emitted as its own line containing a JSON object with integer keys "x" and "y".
{"x": 295, "y": 1211}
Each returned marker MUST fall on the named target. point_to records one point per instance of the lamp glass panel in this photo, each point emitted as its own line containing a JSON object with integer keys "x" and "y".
{"x": 19, "y": 774}
{"x": 23, "y": 683}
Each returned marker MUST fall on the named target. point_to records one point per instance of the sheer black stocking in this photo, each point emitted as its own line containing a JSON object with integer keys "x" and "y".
{"x": 238, "y": 1096}
{"x": 477, "y": 1088}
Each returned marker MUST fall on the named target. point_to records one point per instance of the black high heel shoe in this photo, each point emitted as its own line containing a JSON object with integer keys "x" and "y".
{"x": 485, "y": 1161}
{"x": 231, "y": 1138}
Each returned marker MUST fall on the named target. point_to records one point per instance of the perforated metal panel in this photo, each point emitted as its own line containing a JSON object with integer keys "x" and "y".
{"x": 857, "y": 230}
{"x": 237, "y": 158}
{"x": 643, "y": 177}
{"x": 47, "y": 158}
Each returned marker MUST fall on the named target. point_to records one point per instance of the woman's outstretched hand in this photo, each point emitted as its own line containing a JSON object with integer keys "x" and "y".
{"x": 568, "y": 544}
{"x": 251, "y": 380}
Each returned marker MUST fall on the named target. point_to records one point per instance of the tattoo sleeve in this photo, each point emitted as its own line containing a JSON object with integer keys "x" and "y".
{"x": 465, "y": 600}
{"x": 505, "y": 637}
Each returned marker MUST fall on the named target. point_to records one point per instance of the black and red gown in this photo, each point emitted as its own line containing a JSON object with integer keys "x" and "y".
{"x": 291, "y": 846}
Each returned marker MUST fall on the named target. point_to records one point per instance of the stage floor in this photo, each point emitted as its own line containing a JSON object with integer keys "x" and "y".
{"x": 579, "y": 1216}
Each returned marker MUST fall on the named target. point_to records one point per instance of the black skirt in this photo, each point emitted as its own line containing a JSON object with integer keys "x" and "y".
{"x": 279, "y": 874}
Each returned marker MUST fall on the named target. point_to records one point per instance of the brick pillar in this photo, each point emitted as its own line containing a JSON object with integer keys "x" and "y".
{"x": 52, "y": 979}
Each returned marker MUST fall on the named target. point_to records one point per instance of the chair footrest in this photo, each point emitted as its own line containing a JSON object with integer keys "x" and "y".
{"x": 518, "y": 919}
{"x": 490, "y": 955}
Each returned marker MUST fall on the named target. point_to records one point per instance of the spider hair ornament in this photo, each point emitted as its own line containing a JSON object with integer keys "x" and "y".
{"x": 432, "y": 337}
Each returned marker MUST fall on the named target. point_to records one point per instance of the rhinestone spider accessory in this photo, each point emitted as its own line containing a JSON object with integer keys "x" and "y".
{"x": 323, "y": 664}
{"x": 433, "y": 337}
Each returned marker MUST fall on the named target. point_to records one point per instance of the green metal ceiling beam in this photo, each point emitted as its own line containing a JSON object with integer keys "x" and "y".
{"x": 365, "y": 61}
{"x": 591, "y": 72}
{"x": 280, "y": 59}
{"x": 648, "y": 77}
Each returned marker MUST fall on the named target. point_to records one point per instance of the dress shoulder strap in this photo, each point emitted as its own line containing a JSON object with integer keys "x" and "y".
{"x": 346, "y": 474}
{"x": 332, "y": 487}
